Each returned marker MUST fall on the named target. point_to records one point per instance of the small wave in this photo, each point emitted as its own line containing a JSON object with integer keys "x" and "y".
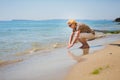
{"x": 6, "y": 62}
{"x": 38, "y": 47}
{"x": 99, "y": 35}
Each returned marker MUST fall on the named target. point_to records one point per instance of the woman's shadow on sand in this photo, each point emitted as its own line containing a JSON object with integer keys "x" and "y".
{"x": 78, "y": 58}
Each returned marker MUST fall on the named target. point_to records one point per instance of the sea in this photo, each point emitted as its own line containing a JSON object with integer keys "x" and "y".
{"x": 18, "y": 36}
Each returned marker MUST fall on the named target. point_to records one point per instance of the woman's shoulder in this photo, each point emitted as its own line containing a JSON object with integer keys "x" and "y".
{"x": 82, "y": 25}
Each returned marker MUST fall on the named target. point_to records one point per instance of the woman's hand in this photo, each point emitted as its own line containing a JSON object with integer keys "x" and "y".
{"x": 69, "y": 46}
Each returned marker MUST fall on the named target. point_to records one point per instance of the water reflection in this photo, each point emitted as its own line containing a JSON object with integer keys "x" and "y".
{"x": 78, "y": 57}
{"x": 85, "y": 51}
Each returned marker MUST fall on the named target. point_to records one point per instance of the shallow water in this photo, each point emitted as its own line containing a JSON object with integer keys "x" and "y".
{"x": 21, "y": 36}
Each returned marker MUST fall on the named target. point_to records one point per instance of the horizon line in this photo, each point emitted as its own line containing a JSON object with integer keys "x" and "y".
{"x": 47, "y": 19}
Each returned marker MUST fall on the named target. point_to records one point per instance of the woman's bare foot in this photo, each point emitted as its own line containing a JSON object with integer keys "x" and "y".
{"x": 84, "y": 46}
{"x": 81, "y": 47}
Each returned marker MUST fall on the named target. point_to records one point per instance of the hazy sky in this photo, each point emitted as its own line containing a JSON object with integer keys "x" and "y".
{"x": 59, "y": 9}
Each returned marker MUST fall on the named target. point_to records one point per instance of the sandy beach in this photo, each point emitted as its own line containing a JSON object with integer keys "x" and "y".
{"x": 101, "y": 65}
{"x": 100, "y": 62}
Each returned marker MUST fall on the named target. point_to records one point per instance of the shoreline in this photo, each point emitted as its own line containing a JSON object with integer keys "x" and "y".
{"x": 56, "y": 64}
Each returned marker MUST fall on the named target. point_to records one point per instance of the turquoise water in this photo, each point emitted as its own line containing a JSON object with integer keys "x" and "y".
{"x": 21, "y": 35}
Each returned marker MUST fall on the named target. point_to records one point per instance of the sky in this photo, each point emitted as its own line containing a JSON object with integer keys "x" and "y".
{"x": 59, "y": 9}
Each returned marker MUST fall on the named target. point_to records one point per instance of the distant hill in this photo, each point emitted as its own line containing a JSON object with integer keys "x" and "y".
{"x": 49, "y": 20}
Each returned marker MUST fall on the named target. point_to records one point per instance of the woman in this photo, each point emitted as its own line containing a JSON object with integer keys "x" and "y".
{"x": 81, "y": 32}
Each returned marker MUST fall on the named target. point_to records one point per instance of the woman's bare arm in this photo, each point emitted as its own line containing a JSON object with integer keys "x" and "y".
{"x": 71, "y": 38}
{"x": 75, "y": 37}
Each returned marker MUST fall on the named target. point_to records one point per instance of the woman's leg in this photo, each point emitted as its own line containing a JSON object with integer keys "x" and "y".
{"x": 84, "y": 43}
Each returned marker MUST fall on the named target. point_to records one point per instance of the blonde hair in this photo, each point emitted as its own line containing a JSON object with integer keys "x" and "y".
{"x": 71, "y": 21}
